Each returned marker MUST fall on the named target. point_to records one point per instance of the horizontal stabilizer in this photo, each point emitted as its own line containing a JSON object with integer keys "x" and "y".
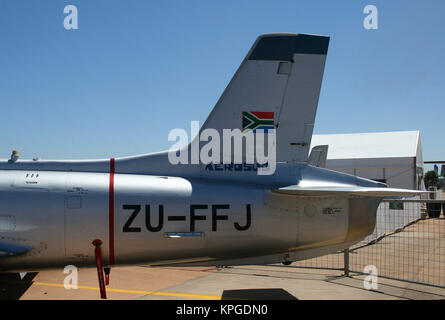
{"x": 347, "y": 190}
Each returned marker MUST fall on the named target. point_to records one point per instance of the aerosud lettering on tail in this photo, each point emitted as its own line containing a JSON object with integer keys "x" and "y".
{"x": 266, "y": 115}
{"x": 247, "y": 146}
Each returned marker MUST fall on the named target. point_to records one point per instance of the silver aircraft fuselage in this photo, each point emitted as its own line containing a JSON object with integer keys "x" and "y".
{"x": 158, "y": 219}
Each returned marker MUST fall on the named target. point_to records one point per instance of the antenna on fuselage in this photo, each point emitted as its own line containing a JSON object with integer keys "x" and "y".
{"x": 14, "y": 155}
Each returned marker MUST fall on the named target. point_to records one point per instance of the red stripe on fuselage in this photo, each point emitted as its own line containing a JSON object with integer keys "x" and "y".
{"x": 111, "y": 212}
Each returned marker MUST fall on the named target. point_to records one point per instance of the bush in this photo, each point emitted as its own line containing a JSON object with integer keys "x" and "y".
{"x": 431, "y": 179}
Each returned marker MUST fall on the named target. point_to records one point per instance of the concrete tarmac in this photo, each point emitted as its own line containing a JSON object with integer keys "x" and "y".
{"x": 242, "y": 282}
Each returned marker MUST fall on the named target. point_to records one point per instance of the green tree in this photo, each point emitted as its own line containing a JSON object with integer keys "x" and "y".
{"x": 431, "y": 179}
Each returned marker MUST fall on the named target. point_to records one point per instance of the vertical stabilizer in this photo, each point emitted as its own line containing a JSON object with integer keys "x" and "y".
{"x": 277, "y": 87}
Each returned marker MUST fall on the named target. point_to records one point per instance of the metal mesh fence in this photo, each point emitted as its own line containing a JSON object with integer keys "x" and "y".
{"x": 407, "y": 244}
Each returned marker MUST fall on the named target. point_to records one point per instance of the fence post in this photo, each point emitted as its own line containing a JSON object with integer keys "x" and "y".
{"x": 346, "y": 262}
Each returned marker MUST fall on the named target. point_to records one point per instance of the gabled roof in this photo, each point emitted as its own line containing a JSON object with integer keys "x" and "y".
{"x": 400, "y": 144}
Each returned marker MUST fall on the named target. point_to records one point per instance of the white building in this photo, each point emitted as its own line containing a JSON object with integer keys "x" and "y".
{"x": 391, "y": 157}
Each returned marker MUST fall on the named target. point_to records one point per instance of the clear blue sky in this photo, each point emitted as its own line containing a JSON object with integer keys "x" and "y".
{"x": 134, "y": 70}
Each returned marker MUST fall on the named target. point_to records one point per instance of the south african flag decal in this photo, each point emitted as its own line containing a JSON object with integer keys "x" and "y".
{"x": 254, "y": 120}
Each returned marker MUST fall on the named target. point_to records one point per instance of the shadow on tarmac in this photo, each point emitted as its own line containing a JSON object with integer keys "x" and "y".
{"x": 257, "y": 294}
{"x": 12, "y": 287}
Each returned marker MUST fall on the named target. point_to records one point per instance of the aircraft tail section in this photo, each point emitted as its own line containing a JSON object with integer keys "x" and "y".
{"x": 277, "y": 87}
{"x": 321, "y": 191}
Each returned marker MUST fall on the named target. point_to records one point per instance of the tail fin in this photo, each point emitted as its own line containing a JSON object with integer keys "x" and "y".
{"x": 277, "y": 86}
